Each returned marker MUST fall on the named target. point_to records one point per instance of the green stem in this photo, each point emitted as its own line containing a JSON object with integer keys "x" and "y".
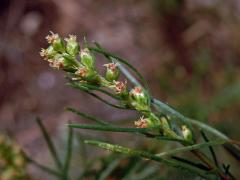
{"x": 141, "y": 131}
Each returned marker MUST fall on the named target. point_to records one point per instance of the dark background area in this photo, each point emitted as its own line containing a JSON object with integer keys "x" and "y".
{"x": 188, "y": 50}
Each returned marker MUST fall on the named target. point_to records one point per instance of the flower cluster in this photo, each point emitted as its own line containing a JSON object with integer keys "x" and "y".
{"x": 80, "y": 64}
{"x": 12, "y": 161}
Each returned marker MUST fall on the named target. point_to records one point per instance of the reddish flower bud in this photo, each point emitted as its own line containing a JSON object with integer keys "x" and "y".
{"x": 112, "y": 72}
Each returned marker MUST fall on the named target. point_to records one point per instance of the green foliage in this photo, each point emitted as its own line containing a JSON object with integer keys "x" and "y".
{"x": 158, "y": 120}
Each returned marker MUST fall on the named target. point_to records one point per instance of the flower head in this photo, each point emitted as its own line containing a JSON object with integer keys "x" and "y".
{"x": 82, "y": 72}
{"x": 43, "y": 54}
{"x": 111, "y": 66}
{"x": 56, "y": 64}
{"x": 72, "y": 46}
{"x": 51, "y": 38}
{"x": 141, "y": 123}
{"x": 48, "y": 53}
{"x": 89, "y": 75}
{"x": 139, "y": 99}
{"x": 87, "y": 59}
{"x": 120, "y": 87}
{"x": 112, "y": 71}
{"x": 56, "y": 42}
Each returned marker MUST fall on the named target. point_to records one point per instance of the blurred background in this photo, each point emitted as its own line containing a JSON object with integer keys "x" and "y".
{"x": 188, "y": 50}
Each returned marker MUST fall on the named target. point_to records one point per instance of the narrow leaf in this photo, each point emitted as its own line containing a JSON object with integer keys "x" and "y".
{"x": 210, "y": 149}
{"x": 82, "y": 86}
{"x": 141, "y": 131}
{"x": 190, "y": 148}
{"x": 109, "y": 128}
{"x": 110, "y": 168}
{"x": 87, "y": 90}
{"x": 89, "y": 117}
{"x": 49, "y": 143}
{"x": 68, "y": 153}
{"x": 146, "y": 155}
{"x": 42, "y": 167}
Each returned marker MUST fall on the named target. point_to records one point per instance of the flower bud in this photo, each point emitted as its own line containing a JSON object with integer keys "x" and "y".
{"x": 47, "y": 53}
{"x": 87, "y": 74}
{"x": 120, "y": 87}
{"x": 138, "y": 99}
{"x": 112, "y": 72}
{"x": 57, "y": 62}
{"x": 69, "y": 61}
{"x": 187, "y": 134}
{"x": 72, "y": 46}
{"x": 142, "y": 122}
{"x": 56, "y": 42}
{"x": 86, "y": 58}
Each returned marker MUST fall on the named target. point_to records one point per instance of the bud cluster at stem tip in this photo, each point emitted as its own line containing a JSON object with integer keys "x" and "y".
{"x": 139, "y": 99}
{"x": 80, "y": 64}
{"x": 112, "y": 72}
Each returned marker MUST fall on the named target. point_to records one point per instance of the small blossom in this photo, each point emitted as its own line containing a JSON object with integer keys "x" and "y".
{"x": 138, "y": 99}
{"x": 72, "y": 46}
{"x": 56, "y": 42}
{"x": 137, "y": 91}
{"x": 120, "y": 87}
{"x": 84, "y": 52}
{"x": 86, "y": 58}
{"x": 111, "y": 66}
{"x": 52, "y": 37}
{"x": 43, "y": 54}
{"x": 112, "y": 72}
{"x": 82, "y": 72}
{"x": 56, "y": 64}
{"x": 137, "y": 94}
{"x": 141, "y": 123}
{"x": 48, "y": 53}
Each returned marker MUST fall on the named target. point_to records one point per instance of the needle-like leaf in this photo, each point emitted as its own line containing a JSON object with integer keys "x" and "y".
{"x": 68, "y": 153}
{"x": 89, "y": 117}
{"x": 147, "y": 155}
{"x": 50, "y": 144}
{"x": 193, "y": 147}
